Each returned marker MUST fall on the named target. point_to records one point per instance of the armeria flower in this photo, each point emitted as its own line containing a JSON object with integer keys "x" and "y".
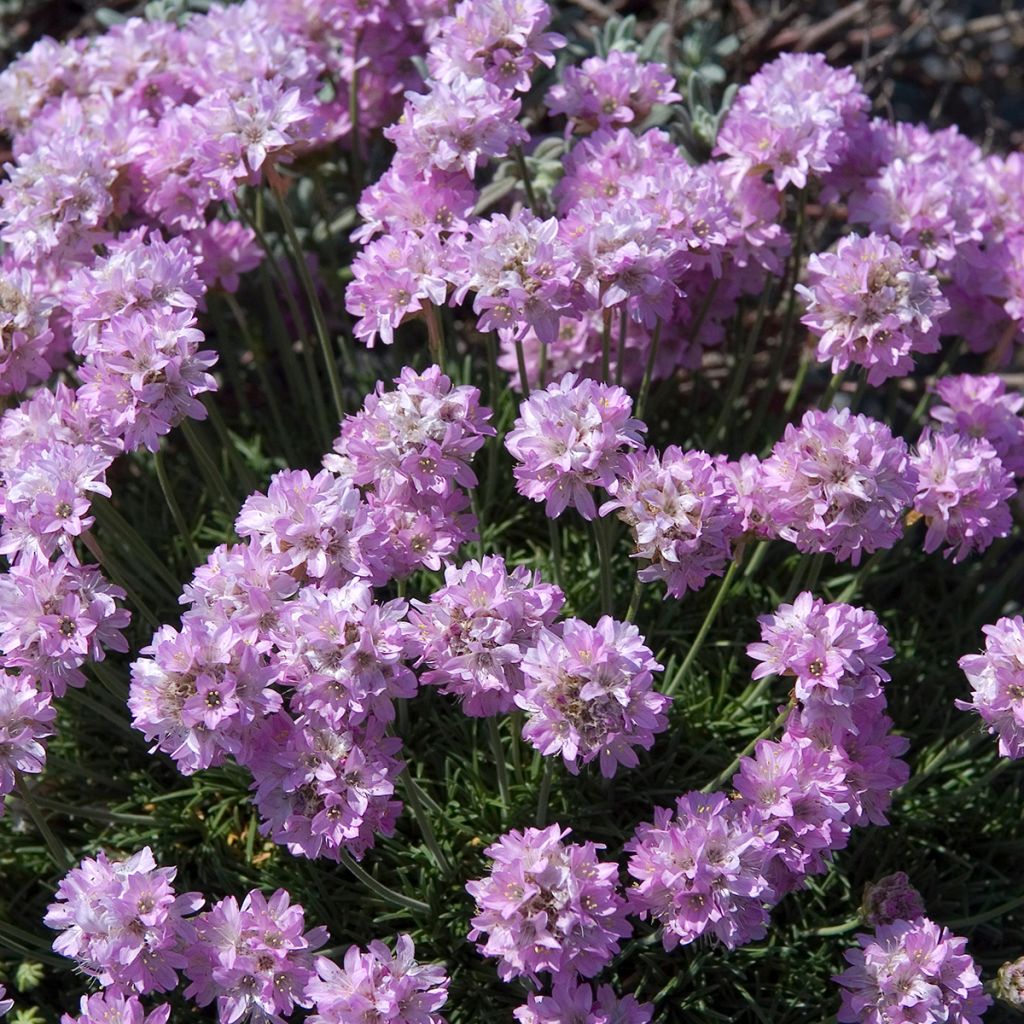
{"x": 395, "y": 277}
{"x": 870, "y": 304}
{"x": 423, "y": 433}
{"x": 605, "y": 92}
{"x": 891, "y": 899}
{"x": 909, "y": 972}
{"x": 794, "y": 119}
{"x": 700, "y": 869}
{"x": 474, "y": 632}
{"x": 320, "y": 789}
{"x": 548, "y": 906}
{"x": 26, "y": 341}
{"x": 569, "y": 438}
{"x": 997, "y": 684}
{"x": 838, "y": 483}
{"x": 26, "y": 719}
{"x": 572, "y": 1002}
{"x": 829, "y": 648}
{"x": 589, "y": 694}
{"x": 522, "y": 274}
{"x": 254, "y": 960}
{"x": 457, "y": 125}
{"x": 112, "y": 1006}
{"x": 6, "y": 1004}
{"x": 683, "y": 512}
{"x": 392, "y": 988}
{"x": 963, "y": 493}
{"x": 495, "y": 40}
{"x": 120, "y": 920}
{"x": 980, "y": 407}
{"x": 800, "y": 796}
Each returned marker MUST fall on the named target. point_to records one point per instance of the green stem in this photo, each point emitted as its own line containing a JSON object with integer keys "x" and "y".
{"x": 634, "y": 600}
{"x": 228, "y": 442}
{"x": 207, "y": 466}
{"x": 645, "y": 384}
{"x": 544, "y": 794}
{"x": 765, "y": 733}
{"x": 756, "y": 559}
{"x": 435, "y": 334}
{"x": 58, "y": 852}
{"x": 620, "y": 356}
{"x": 379, "y": 889}
{"x": 604, "y": 554}
{"x": 499, "y": 762}
{"x": 556, "y": 551}
{"x": 606, "y": 344}
{"x": 832, "y": 390}
{"x": 705, "y": 628}
{"x": 798, "y": 384}
{"x": 176, "y": 514}
{"x": 356, "y": 165}
{"x": 319, "y": 319}
{"x": 412, "y": 792}
{"x": 524, "y": 174}
{"x": 524, "y": 379}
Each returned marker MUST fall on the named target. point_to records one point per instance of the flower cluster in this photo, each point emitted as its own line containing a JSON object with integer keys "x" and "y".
{"x": 548, "y": 906}
{"x": 588, "y": 694}
{"x": 682, "y": 510}
{"x": 392, "y": 988}
{"x": 871, "y": 305}
{"x": 997, "y": 684}
{"x": 112, "y": 1006}
{"x": 837, "y": 483}
{"x": 475, "y": 630}
{"x": 890, "y": 899}
{"x": 980, "y": 407}
{"x": 569, "y": 438}
{"x": 911, "y": 971}
{"x": 121, "y": 921}
{"x": 571, "y": 1001}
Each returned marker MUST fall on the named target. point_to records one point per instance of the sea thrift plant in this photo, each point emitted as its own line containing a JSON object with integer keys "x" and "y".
{"x": 981, "y": 407}
{"x": 113, "y": 1007}
{"x": 547, "y": 906}
{"x": 588, "y": 694}
{"x": 997, "y": 684}
{"x": 911, "y": 971}
{"x": 571, "y": 1001}
{"x": 891, "y": 899}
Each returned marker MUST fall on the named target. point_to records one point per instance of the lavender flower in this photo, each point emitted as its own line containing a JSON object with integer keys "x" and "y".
{"x": 548, "y": 906}
{"x": 911, "y": 971}
{"x": 870, "y": 304}
{"x": 112, "y": 1006}
{"x": 588, "y": 694}
{"x": 979, "y": 407}
{"x": 573, "y": 1002}
{"x": 569, "y": 438}
{"x": 26, "y": 719}
{"x": 891, "y": 899}
{"x": 393, "y": 987}
{"x": 997, "y": 684}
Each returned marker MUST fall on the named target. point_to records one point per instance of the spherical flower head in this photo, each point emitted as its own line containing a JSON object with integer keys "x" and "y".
{"x": 793, "y": 119}
{"x": 392, "y": 987}
{"x": 891, "y": 899}
{"x": 26, "y": 719}
{"x": 112, "y": 1006}
{"x": 963, "y": 493}
{"x": 911, "y": 971}
{"x": 473, "y": 633}
{"x": 573, "y": 1002}
{"x": 120, "y": 921}
{"x": 1009, "y": 985}
{"x": 606, "y": 92}
{"x": 997, "y": 684}
{"x": 838, "y": 483}
{"x": 979, "y": 406}
{"x": 683, "y": 511}
{"x": 700, "y": 870}
{"x": 589, "y": 694}
{"x": 548, "y": 906}
{"x": 569, "y": 438}
{"x": 254, "y": 959}
{"x": 870, "y": 304}
{"x": 831, "y": 649}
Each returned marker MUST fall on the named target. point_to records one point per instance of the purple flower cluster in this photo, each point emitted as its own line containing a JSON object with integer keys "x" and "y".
{"x": 548, "y": 906}
{"x": 908, "y": 972}
{"x": 112, "y": 1006}
{"x": 838, "y": 483}
{"x": 871, "y": 305}
{"x": 26, "y": 720}
{"x": 683, "y": 512}
{"x": 378, "y": 985}
{"x": 890, "y": 899}
{"x": 980, "y": 407}
{"x": 997, "y": 684}
{"x": 588, "y": 694}
{"x": 570, "y": 438}
{"x": 474, "y": 631}
{"x": 573, "y": 1001}
{"x": 121, "y": 921}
